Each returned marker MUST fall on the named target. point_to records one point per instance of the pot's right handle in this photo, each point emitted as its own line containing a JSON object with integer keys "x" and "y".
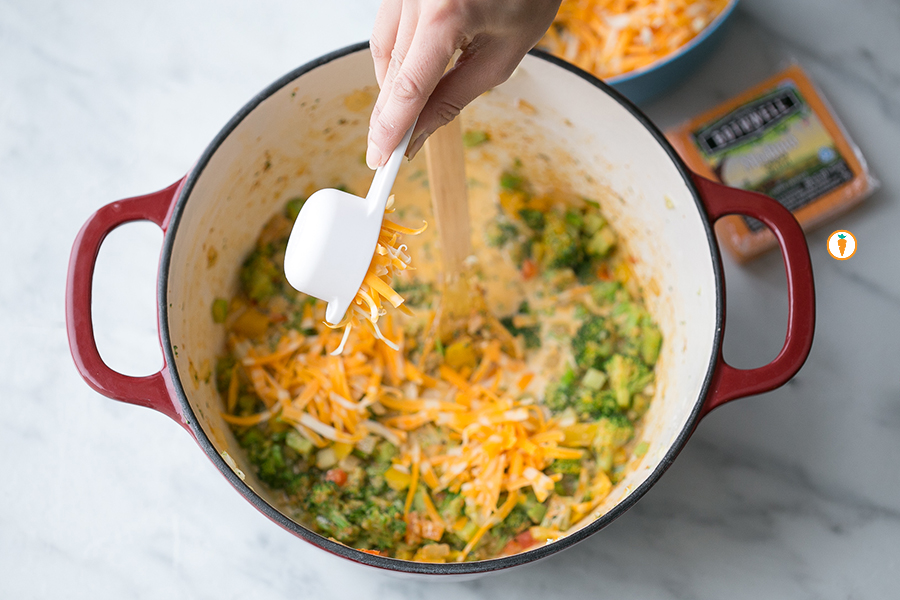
{"x": 728, "y": 382}
{"x": 151, "y": 391}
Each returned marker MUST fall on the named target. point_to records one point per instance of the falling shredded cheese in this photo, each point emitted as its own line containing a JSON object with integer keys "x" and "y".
{"x": 390, "y": 258}
{"x": 612, "y": 37}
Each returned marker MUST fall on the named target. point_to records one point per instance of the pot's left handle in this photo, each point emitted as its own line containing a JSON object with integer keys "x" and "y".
{"x": 728, "y": 382}
{"x": 151, "y": 391}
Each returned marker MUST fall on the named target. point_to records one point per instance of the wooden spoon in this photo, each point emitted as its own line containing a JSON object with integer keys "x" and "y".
{"x": 445, "y": 160}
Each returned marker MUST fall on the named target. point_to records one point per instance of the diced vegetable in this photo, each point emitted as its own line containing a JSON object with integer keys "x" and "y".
{"x": 298, "y": 443}
{"x": 472, "y": 138}
{"x": 511, "y": 181}
{"x": 641, "y": 449}
{"x": 292, "y": 209}
{"x": 251, "y": 323}
{"x": 460, "y": 354}
{"x": 342, "y": 450}
{"x": 337, "y": 476}
{"x": 580, "y": 434}
{"x": 601, "y": 243}
{"x": 396, "y": 479}
{"x": 593, "y": 379}
{"x": 326, "y": 458}
{"x": 651, "y": 340}
{"x": 219, "y": 310}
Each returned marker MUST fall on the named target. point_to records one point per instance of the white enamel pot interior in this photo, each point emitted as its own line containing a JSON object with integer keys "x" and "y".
{"x": 563, "y": 124}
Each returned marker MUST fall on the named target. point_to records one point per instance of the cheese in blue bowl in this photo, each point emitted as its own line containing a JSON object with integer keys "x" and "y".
{"x": 642, "y": 48}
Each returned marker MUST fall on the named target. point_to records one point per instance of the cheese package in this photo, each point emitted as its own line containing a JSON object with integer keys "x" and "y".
{"x": 781, "y": 139}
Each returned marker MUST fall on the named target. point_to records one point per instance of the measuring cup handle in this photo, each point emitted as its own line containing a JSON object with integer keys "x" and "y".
{"x": 386, "y": 174}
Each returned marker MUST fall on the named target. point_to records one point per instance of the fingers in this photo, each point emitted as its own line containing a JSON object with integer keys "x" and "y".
{"x": 484, "y": 64}
{"x": 406, "y": 92}
{"x": 406, "y": 31}
{"x": 384, "y": 36}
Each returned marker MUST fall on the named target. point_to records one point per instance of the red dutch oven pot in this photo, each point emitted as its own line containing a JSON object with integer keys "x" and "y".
{"x": 289, "y": 139}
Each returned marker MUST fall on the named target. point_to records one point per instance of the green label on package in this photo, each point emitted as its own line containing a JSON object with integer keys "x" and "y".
{"x": 774, "y": 144}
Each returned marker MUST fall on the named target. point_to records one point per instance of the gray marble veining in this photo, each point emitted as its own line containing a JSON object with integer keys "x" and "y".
{"x": 793, "y": 494}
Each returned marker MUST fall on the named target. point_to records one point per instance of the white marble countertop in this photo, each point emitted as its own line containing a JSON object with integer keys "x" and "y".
{"x": 793, "y": 494}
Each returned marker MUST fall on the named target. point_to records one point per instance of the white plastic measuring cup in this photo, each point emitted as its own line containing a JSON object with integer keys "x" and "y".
{"x": 334, "y": 239}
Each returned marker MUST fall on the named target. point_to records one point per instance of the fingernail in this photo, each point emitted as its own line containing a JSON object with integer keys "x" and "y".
{"x": 373, "y": 156}
{"x": 416, "y": 145}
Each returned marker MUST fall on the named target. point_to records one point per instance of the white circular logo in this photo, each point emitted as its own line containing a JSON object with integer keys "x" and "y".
{"x": 841, "y": 244}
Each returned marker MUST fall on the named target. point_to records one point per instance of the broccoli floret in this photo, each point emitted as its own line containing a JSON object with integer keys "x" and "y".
{"x": 592, "y": 343}
{"x": 293, "y": 206}
{"x": 354, "y": 487}
{"x": 273, "y": 469}
{"x": 574, "y": 218}
{"x": 224, "y": 367}
{"x": 260, "y": 276}
{"x": 512, "y": 181}
{"x": 451, "y": 507}
{"x": 343, "y": 530}
{"x": 533, "y": 218}
{"x": 534, "y": 509}
{"x": 605, "y": 292}
{"x": 566, "y": 466}
{"x": 384, "y": 452}
{"x": 593, "y": 404}
{"x": 566, "y": 486}
{"x": 613, "y": 432}
{"x": 623, "y": 373}
{"x": 254, "y": 442}
{"x": 559, "y": 394}
{"x": 248, "y": 404}
{"x": 385, "y": 526}
{"x": 531, "y": 335}
{"x": 561, "y": 242}
{"x": 500, "y": 232}
{"x": 416, "y": 293}
{"x": 515, "y": 523}
{"x": 322, "y": 493}
{"x": 628, "y": 318}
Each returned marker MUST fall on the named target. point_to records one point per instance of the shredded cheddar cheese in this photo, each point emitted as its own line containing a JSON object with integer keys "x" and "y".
{"x": 424, "y": 441}
{"x": 390, "y": 258}
{"x": 612, "y": 37}
{"x": 496, "y": 445}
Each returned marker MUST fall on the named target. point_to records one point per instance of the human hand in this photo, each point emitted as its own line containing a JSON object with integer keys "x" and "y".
{"x": 414, "y": 40}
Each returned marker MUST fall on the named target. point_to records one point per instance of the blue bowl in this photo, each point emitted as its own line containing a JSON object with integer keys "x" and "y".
{"x": 644, "y": 84}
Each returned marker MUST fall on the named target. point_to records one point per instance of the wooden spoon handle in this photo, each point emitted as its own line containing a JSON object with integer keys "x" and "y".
{"x": 445, "y": 160}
